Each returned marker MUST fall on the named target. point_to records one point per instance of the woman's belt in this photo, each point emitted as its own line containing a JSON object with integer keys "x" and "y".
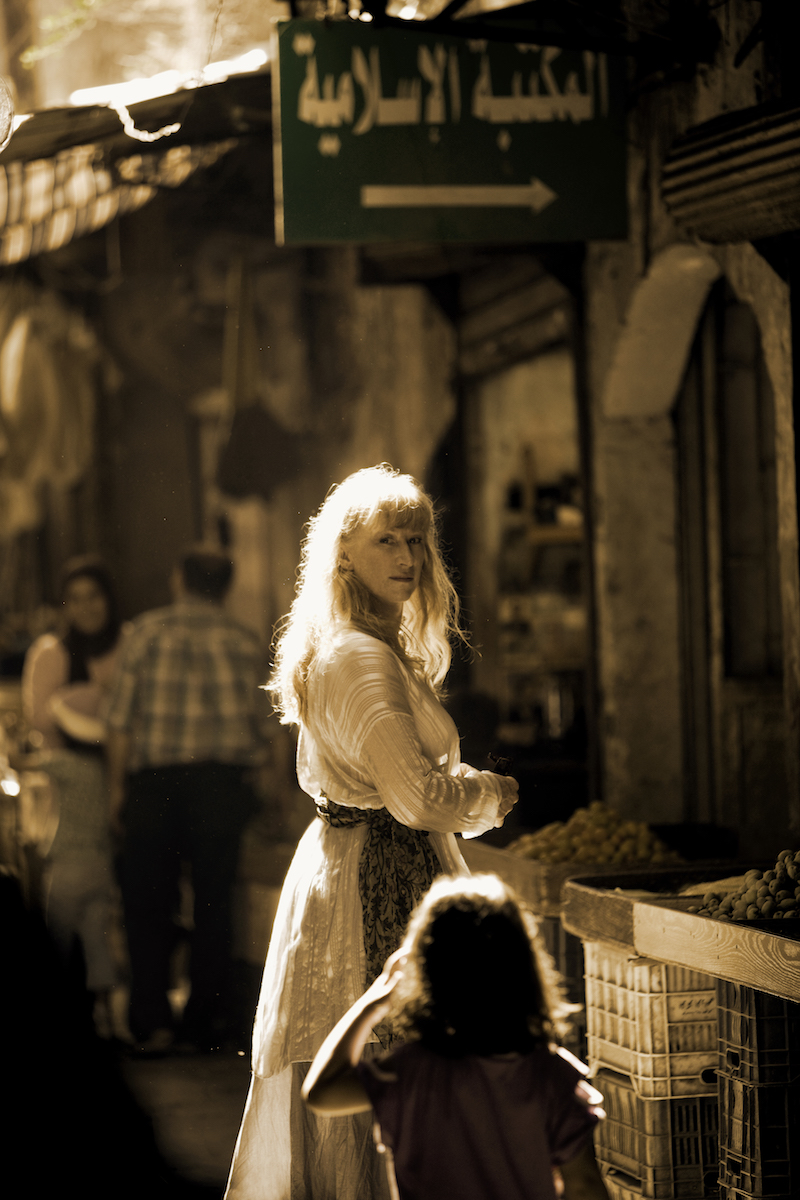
{"x": 397, "y": 866}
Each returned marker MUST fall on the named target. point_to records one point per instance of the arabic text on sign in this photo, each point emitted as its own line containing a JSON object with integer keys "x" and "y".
{"x": 334, "y": 103}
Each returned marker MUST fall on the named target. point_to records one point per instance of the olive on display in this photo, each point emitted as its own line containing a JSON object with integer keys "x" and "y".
{"x": 595, "y": 834}
{"x": 773, "y": 894}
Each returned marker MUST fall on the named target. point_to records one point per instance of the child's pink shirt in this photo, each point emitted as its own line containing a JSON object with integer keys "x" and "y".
{"x": 478, "y": 1128}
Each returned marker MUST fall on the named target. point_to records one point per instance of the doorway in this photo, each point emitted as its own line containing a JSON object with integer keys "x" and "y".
{"x": 732, "y": 643}
{"x": 526, "y": 577}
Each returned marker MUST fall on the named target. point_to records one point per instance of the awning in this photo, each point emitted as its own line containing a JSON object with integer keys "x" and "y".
{"x": 67, "y": 172}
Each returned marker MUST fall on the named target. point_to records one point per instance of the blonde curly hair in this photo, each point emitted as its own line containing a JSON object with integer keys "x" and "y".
{"x": 328, "y": 597}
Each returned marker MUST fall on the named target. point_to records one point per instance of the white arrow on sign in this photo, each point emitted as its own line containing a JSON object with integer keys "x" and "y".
{"x": 535, "y": 195}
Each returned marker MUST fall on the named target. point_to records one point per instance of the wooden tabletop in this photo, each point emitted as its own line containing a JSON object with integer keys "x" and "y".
{"x": 658, "y": 926}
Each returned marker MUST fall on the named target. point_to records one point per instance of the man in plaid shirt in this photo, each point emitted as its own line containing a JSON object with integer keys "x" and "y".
{"x": 187, "y": 723}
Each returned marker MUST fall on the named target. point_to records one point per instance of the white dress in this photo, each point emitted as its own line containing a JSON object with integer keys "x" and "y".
{"x": 375, "y": 738}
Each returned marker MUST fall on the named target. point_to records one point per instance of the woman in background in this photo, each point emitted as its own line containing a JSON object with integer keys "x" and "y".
{"x": 359, "y": 669}
{"x": 65, "y": 680}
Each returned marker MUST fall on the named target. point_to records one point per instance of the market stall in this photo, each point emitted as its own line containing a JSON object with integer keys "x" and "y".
{"x": 689, "y": 974}
{"x": 693, "y": 1028}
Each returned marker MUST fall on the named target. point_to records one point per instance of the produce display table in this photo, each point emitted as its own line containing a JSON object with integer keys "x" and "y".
{"x": 692, "y": 1024}
{"x": 643, "y": 913}
{"x": 540, "y": 884}
{"x": 754, "y": 1057}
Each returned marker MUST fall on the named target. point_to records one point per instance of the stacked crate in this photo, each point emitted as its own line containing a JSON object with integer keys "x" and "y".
{"x": 566, "y": 951}
{"x": 651, "y": 1032}
{"x": 759, "y": 1094}
{"x": 658, "y": 1148}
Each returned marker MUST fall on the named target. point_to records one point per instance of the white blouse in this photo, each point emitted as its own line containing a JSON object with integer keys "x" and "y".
{"x": 378, "y": 737}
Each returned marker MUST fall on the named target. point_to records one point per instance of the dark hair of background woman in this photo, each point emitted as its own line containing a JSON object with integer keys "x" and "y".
{"x": 81, "y": 646}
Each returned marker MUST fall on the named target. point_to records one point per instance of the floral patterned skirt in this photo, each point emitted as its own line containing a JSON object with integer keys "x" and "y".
{"x": 316, "y": 969}
{"x": 395, "y": 870}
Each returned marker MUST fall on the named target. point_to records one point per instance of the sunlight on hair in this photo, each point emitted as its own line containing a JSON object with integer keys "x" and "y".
{"x": 328, "y": 598}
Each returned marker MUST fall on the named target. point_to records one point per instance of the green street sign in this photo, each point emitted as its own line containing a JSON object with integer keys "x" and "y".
{"x": 395, "y": 135}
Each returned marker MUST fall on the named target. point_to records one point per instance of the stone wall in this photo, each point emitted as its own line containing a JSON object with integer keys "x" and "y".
{"x": 643, "y": 301}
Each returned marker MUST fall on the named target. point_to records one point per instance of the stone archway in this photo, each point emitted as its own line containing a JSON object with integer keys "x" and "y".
{"x": 636, "y": 517}
{"x": 650, "y": 357}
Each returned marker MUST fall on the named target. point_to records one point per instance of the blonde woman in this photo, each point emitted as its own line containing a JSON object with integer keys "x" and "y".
{"x": 359, "y": 668}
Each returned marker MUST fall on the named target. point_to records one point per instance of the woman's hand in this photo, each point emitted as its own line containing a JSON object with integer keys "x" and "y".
{"x": 509, "y": 795}
{"x": 74, "y": 709}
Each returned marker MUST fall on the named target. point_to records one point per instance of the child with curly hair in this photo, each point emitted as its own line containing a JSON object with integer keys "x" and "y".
{"x": 475, "y": 1103}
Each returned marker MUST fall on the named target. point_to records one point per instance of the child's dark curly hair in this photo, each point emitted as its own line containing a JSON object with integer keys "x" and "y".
{"x": 476, "y": 978}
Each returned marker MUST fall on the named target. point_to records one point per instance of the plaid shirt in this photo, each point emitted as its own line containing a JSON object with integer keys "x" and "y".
{"x": 188, "y": 688}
